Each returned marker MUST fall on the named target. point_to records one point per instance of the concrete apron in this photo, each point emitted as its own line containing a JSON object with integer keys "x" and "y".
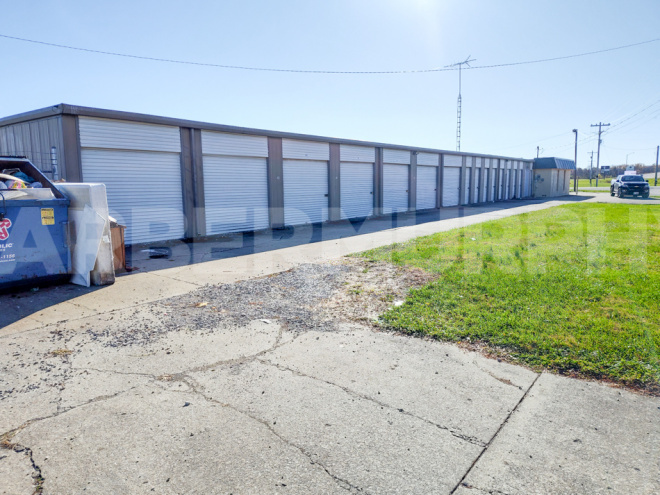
{"x": 258, "y": 409}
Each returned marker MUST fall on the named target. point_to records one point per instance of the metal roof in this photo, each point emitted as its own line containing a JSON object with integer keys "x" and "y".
{"x": 552, "y": 162}
{"x": 66, "y": 109}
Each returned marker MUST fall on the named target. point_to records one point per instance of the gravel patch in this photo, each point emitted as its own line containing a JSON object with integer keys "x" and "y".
{"x": 291, "y": 297}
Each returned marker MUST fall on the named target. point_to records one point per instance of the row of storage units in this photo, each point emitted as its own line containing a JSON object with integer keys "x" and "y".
{"x": 141, "y": 165}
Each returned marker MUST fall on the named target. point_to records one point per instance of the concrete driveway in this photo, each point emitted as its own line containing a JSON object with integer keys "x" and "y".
{"x": 261, "y": 383}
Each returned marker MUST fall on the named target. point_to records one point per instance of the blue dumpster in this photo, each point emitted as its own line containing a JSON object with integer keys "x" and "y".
{"x": 33, "y": 230}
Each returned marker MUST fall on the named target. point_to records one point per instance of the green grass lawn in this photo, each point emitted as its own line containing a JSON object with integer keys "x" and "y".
{"x": 593, "y": 191}
{"x": 574, "y": 289}
{"x": 601, "y": 182}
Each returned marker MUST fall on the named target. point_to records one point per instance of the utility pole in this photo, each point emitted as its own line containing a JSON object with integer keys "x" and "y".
{"x": 459, "y": 103}
{"x": 600, "y": 126}
{"x": 591, "y": 166}
{"x": 657, "y": 152}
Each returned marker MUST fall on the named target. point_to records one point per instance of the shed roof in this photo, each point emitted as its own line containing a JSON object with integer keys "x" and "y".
{"x": 552, "y": 162}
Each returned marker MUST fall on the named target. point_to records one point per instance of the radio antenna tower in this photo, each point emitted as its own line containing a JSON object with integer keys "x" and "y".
{"x": 460, "y": 65}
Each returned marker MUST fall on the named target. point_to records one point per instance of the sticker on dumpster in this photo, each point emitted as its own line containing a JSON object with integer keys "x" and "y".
{"x": 47, "y": 216}
{"x": 5, "y": 223}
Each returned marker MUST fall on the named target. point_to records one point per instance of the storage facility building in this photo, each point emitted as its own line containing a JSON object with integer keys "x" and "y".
{"x": 169, "y": 178}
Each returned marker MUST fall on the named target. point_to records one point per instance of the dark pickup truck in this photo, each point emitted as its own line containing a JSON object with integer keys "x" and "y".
{"x": 630, "y": 185}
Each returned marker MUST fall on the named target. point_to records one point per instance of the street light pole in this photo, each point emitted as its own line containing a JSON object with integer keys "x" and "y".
{"x": 575, "y": 179}
{"x": 631, "y": 153}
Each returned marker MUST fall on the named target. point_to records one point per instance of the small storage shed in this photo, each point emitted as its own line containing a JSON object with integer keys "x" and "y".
{"x": 552, "y": 177}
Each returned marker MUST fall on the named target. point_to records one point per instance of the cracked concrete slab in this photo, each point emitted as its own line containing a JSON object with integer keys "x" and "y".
{"x": 467, "y": 393}
{"x": 16, "y": 473}
{"x": 185, "y": 349}
{"x": 572, "y": 436}
{"x": 150, "y": 440}
{"x": 373, "y": 448}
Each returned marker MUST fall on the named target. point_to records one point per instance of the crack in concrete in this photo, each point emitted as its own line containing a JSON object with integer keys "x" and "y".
{"x": 342, "y": 483}
{"x": 6, "y": 437}
{"x": 453, "y": 432}
{"x": 490, "y": 442}
{"x": 482, "y": 490}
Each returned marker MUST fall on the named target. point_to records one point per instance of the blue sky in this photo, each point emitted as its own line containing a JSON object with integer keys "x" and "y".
{"x": 509, "y": 110}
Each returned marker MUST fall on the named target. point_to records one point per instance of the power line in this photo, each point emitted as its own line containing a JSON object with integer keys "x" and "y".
{"x": 303, "y": 71}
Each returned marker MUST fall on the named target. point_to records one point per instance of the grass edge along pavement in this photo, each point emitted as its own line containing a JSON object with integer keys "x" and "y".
{"x": 572, "y": 289}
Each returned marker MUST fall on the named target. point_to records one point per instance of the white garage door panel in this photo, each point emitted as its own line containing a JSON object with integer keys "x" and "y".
{"x": 396, "y": 156}
{"x": 430, "y": 159}
{"x": 352, "y": 153}
{"x": 493, "y": 185}
{"x": 305, "y": 192}
{"x": 395, "y": 188}
{"x": 450, "y": 186}
{"x": 467, "y": 186}
{"x": 235, "y": 193}
{"x": 120, "y": 134}
{"x": 144, "y": 191}
{"x": 484, "y": 185}
{"x": 477, "y": 185}
{"x": 305, "y": 150}
{"x": 356, "y": 189}
{"x": 453, "y": 161}
{"x": 427, "y": 180}
{"x": 224, "y": 143}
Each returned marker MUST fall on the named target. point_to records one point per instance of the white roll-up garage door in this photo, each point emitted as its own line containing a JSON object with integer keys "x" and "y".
{"x": 427, "y": 187}
{"x": 484, "y": 187}
{"x": 235, "y": 193}
{"x": 477, "y": 183}
{"x": 235, "y": 182}
{"x": 356, "y": 189}
{"x": 140, "y": 165}
{"x": 395, "y": 188}
{"x": 493, "y": 184}
{"x": 305, "y": 191}
{"x": 450, "y": 186}
{"x": 144, "y": 191}
{"x": 467, "y": 185}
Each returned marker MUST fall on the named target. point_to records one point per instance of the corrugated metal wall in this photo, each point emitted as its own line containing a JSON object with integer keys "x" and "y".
{"x": 34, "y": 140}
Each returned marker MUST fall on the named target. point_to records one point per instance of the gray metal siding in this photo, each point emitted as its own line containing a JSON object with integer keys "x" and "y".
{"x": 426, "y": 186}
{"x": 395, "y": 187}
{"x": 34, "y": 139}
{"x": 236, "y": 192}
{"x": 305, "y": 191}
{"x": 144, "y": 191}
{"x": 357, "y": 189}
